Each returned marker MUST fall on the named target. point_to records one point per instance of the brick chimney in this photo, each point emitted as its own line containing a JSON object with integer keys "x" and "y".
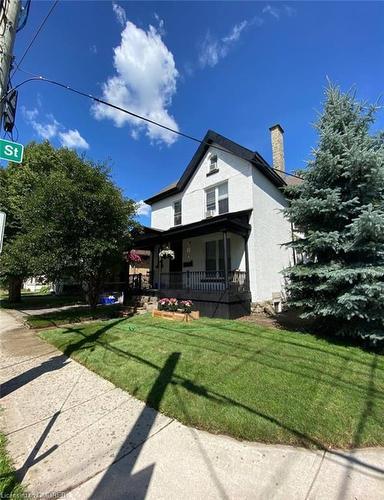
{"x": 277, "y": 140}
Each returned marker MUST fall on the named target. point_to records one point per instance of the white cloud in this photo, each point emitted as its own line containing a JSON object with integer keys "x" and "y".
{"x": 93, "y": 49}
{"x": 160, "y": 24}
{"x": 49, "y": 128}
{"x": 73, "y": 140}
{"x": 30, "y": 114}
{"x": 213, "y": 49}
{"x": 120, "y": 13}
{"x": 235, "y": 33}
{"x": 272, "y": 11}
{"x": 289, "y": 10}
{"x": 142, "y": 208}
{"x": 144, "y": 83}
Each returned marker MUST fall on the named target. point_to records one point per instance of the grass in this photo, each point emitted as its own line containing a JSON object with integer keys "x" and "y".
{"x": 39, "y": 301}
{"x": 247, "y": 381}
{"x": 9, "y": 486}
{"x": 73, "y": 315}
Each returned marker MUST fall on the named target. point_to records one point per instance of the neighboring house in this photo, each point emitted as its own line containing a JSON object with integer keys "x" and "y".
{"x": 223, "y": 220}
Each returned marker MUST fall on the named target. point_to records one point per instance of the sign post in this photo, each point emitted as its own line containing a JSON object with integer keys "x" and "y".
{"x": 2, "y": 227}
{"x": 11, "y": 151}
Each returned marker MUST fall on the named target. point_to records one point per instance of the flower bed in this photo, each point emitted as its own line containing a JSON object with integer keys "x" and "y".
{"x": 176, "y": 310}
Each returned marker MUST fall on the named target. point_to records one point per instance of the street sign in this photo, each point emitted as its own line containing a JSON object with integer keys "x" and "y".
{"x": 11, "y": 151}
{"x": 2, "y": 227}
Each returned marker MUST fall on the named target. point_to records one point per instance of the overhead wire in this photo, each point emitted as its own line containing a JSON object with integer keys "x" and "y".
{"x": 40, "y": 78}
{"x": 35, "y": 35}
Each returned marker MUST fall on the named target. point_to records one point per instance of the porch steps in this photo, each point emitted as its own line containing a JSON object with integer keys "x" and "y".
{"x": 145, "y": 304}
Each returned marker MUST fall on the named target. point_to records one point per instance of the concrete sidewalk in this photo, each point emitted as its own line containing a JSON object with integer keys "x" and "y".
{"x": 71, "y": 431}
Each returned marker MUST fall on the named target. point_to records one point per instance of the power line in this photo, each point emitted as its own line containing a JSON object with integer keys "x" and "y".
{"x": 35, "y": 35}
{"x": 35, "y": 78}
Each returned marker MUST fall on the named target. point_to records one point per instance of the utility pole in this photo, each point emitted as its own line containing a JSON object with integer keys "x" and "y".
{"x": 9, "y": 17}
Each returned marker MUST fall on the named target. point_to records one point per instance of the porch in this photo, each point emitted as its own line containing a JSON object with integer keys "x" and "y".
{"x": 210, "y": 265}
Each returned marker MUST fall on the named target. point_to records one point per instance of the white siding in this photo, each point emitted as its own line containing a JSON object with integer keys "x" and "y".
{"x": 197, "y": 246}
{"x": 236, "y": 171}
{"x": 269, "y": 231}
{"x": 248, "y": 189}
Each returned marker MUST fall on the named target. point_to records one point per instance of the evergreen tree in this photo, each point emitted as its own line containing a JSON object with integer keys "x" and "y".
{"x": 339, "y": 211}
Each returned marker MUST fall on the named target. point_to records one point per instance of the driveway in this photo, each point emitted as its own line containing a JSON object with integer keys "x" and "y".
{"x": 70, "y": 431}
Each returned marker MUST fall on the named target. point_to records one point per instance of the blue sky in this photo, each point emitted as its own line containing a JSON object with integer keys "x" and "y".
{"x": 233, "y": 67}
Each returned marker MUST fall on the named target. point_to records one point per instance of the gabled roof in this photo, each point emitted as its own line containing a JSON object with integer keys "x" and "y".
{"x": 212, "y": 137}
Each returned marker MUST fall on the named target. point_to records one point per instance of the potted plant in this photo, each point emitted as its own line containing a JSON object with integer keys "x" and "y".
{"x": 167, "y": 253}
{"x": 186, "y": 306}
{"x": 174, "y": 310}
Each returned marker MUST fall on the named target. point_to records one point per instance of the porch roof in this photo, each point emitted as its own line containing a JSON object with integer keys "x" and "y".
{"x": 234, "y": 222}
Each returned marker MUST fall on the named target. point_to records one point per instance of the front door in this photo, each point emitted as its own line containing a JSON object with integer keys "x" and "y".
{"x": 176, "y": 266}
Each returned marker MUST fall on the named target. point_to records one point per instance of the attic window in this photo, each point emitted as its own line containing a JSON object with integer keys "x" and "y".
{"x": 213, "y": 164}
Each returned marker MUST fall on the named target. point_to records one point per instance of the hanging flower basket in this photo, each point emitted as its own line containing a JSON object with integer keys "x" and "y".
{"x": 132, "y": 257}
{"x": 167, "y": 254}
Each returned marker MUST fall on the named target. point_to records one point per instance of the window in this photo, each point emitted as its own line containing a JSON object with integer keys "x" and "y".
{"x": 217, "y": 200}
{"x": 223, "y": 198}
{"x": 210, "y": 256}
{"x": 213, "y": 163}
{"x": 214, "y": 255}
{"x": 177, "y": 213}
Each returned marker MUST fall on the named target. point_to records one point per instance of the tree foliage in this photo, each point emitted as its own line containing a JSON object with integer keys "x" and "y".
{"x": 339, "y": 209}
{"x": 72, "y": 219}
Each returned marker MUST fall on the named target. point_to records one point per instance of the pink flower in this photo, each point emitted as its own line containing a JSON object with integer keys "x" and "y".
{"x": 132, "y": 257}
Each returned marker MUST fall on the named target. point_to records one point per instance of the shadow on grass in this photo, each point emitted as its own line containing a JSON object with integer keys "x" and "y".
{"x": 306, "y": 344}
{"x": 214, "y": 396}
{"x": 118, "y": 481}
{"x": 365, "y": 414}
{"x": 30, "y": 302}
{"x": 270, "y": 360}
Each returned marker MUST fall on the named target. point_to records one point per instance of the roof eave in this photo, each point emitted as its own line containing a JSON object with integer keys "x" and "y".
{"x": 213, "y": 137}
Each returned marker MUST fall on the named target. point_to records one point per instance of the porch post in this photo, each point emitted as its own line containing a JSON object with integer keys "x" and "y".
{"x": 152, "y": 272}
{"x": 160, "y": 262}
{"x": 225, "y": 259}
{"x": 247, "y": 277}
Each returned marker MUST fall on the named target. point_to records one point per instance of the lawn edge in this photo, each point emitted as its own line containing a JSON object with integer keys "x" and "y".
{"x": 328, "y": 449}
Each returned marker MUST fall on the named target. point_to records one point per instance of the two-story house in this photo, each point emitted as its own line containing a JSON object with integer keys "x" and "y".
{"x": 223, "y": 220}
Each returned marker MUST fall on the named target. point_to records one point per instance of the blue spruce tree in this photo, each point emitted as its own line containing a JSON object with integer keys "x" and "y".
{"x": 339, "y": 211}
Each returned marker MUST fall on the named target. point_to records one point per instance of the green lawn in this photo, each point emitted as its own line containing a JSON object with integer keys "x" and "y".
{"x": 39, "y": 301}
{"x": 9, "y": 486}
{"x": 73, "y": 315}
{"x": 232, "y": 377}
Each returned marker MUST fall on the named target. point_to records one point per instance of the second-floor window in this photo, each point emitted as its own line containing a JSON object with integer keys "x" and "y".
{"x": 177, "y": 213}
{"x": 217, "y": 200}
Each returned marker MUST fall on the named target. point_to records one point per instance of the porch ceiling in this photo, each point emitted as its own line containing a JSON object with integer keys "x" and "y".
{"x": 234, "y": 222}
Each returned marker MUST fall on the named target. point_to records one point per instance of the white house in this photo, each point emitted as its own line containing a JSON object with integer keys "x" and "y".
{"x": 223, "y": 219}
